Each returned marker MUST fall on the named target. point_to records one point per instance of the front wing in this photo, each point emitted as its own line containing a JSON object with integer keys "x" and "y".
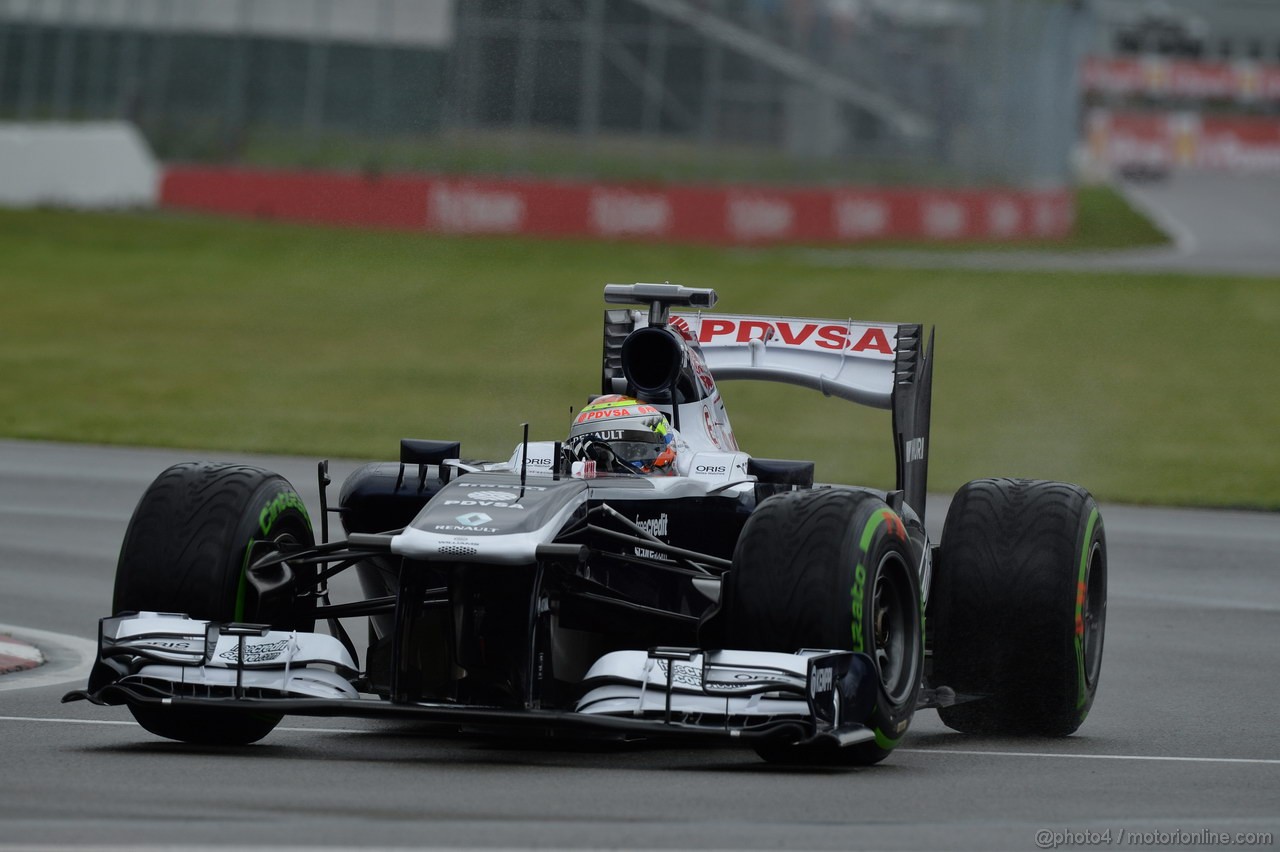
{"x": 171, "y": 660}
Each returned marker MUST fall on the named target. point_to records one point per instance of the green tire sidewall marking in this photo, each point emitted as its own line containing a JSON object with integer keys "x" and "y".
{"x": 1082, "y": 685}
{"x": 276, "y": 506}
{"x": 267, "y": 518}
{"x": 879, "y": 516}
{"x": 860, "y": 573}
{"x": 883, "y": 741}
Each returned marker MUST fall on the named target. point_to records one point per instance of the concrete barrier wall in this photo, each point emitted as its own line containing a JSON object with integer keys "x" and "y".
{"x": 702, "y": 214}
{"x": 86, "y": 165}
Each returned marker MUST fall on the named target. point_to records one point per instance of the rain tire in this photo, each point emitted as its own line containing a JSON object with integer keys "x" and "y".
{"x": 1019, "y": 606}
{"x": 187, "y": 549}
{"x": 808, "y": 572}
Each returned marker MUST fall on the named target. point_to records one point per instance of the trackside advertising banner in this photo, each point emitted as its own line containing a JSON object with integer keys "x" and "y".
{"x": 696, "y": 214}
{"x": 1243, "y": 81}
{"x": 1184, "y": 140}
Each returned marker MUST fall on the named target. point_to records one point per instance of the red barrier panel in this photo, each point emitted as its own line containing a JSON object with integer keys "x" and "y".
{"x": 701, "y": 214}
{"x": 339, "y": 199}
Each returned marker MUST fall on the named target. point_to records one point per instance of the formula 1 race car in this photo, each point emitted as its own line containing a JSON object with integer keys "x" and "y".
{"x": 642, "y": 578}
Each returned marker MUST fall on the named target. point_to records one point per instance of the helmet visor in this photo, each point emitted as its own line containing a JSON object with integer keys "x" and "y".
{"x": 635, "y": 447}
{"x": 638, "y": 453}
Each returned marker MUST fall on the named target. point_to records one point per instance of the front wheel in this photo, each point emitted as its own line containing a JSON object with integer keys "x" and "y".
{"x": 187, "y": 549}
{"x": 831, "y": 569}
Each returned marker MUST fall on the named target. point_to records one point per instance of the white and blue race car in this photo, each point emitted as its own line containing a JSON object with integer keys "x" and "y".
{"x": 642, "y": 578}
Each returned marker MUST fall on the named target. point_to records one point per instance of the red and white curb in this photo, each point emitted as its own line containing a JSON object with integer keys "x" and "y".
{"x": 18, "y": 656}
{"x": 62, "y": 658}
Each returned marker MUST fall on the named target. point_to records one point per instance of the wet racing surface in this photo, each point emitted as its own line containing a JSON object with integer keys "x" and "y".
{"x": 1179, "y": 739}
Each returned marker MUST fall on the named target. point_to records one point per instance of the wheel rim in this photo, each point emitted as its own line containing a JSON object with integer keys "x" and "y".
{"x": 895, "y": 639}
{"x": 1094, "y": 613}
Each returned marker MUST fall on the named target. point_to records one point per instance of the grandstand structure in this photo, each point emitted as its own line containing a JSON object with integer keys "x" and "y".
{"x": 945, "y": 92}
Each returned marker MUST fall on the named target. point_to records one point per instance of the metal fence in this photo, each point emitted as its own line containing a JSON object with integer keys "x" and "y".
{"x": 936, "y": 91}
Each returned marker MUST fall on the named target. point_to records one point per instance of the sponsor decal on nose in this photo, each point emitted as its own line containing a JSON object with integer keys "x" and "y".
{"x": 495, "y": 496}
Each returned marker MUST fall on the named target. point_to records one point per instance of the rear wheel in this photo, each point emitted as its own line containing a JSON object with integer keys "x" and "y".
{"x": 187, "y": 549}
{"x": 1020, "y": 597}
{"x": 831, "y": 569}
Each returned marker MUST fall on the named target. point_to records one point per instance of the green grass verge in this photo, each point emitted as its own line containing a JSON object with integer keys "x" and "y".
{"x": 242, "y": 336}
{"x": 1104, "y": 220}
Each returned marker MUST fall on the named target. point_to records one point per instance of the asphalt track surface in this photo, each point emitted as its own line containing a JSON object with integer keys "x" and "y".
{"x": 1181, "y": 738}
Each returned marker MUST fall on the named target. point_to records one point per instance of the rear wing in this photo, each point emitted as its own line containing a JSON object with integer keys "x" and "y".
{"x": 881, "y": 365}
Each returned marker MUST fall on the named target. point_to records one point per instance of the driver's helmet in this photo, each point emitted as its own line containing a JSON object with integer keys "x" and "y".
{"x": 620, "y": 433}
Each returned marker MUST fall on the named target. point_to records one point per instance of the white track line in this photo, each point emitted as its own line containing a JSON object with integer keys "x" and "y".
{"x": 1068, "y": 756}
{"x": 927, "y": 751}
{"x": 1184, "y": 239}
